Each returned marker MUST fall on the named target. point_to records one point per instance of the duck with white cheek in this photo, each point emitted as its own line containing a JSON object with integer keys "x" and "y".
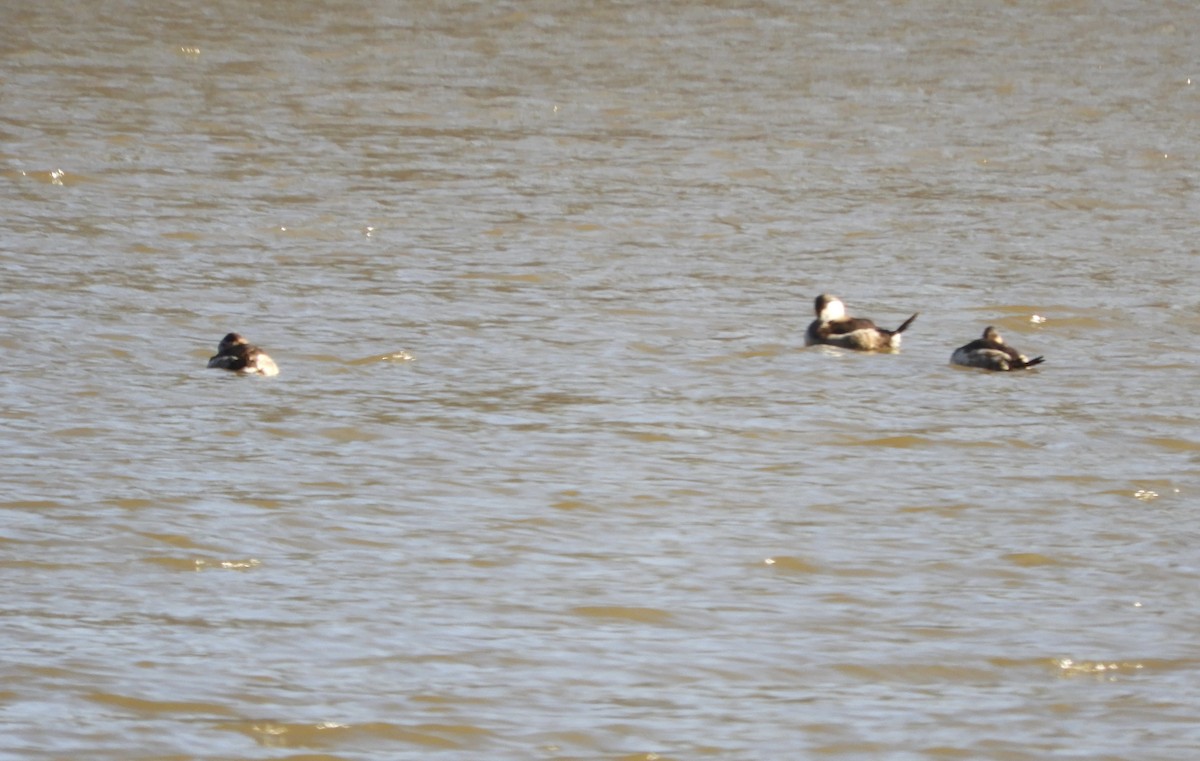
{"x": 833, "y": 327}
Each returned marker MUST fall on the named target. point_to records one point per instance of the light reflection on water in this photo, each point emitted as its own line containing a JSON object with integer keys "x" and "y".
{"x": 547, "y": 472}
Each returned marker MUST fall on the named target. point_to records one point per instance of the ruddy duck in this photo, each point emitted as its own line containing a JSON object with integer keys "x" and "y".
{"x": 991, "y": 353}
{"x": 237, "y": 354}
{"x": 833, "y": 328}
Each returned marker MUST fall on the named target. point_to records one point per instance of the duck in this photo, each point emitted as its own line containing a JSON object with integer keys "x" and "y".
{"x": 239, "y": 355}
{"x": 991, "y": 353}
{"x": 833, "y": 328}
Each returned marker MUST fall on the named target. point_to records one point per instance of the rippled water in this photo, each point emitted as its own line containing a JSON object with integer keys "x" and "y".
{"x": 548, "y": 472}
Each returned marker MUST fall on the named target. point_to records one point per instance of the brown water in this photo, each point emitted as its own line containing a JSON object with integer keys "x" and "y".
{"x": 547, "y": 473}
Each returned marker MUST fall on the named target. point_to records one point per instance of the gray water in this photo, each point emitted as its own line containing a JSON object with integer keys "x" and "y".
{"x": 547, "y": 473}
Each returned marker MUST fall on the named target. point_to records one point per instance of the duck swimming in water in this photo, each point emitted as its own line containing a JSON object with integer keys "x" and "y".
{"x": 833, "y": 328}
{"x": 991, "y": 353}
{"x": 237, "y": 354}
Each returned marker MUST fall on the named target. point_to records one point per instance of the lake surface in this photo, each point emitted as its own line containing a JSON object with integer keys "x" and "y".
{"x": 547, "y": 472}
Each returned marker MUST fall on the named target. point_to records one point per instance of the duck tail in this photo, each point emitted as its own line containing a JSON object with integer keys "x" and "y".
{"x": 1034, "y": 361}
{"x": 905, "y": 324}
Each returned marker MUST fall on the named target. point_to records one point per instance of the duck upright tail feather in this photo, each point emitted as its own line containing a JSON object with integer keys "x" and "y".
{"x": 905, "y": 324}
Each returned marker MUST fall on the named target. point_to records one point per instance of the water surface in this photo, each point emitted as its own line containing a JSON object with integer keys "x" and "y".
{"x": 548, "y": 472}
